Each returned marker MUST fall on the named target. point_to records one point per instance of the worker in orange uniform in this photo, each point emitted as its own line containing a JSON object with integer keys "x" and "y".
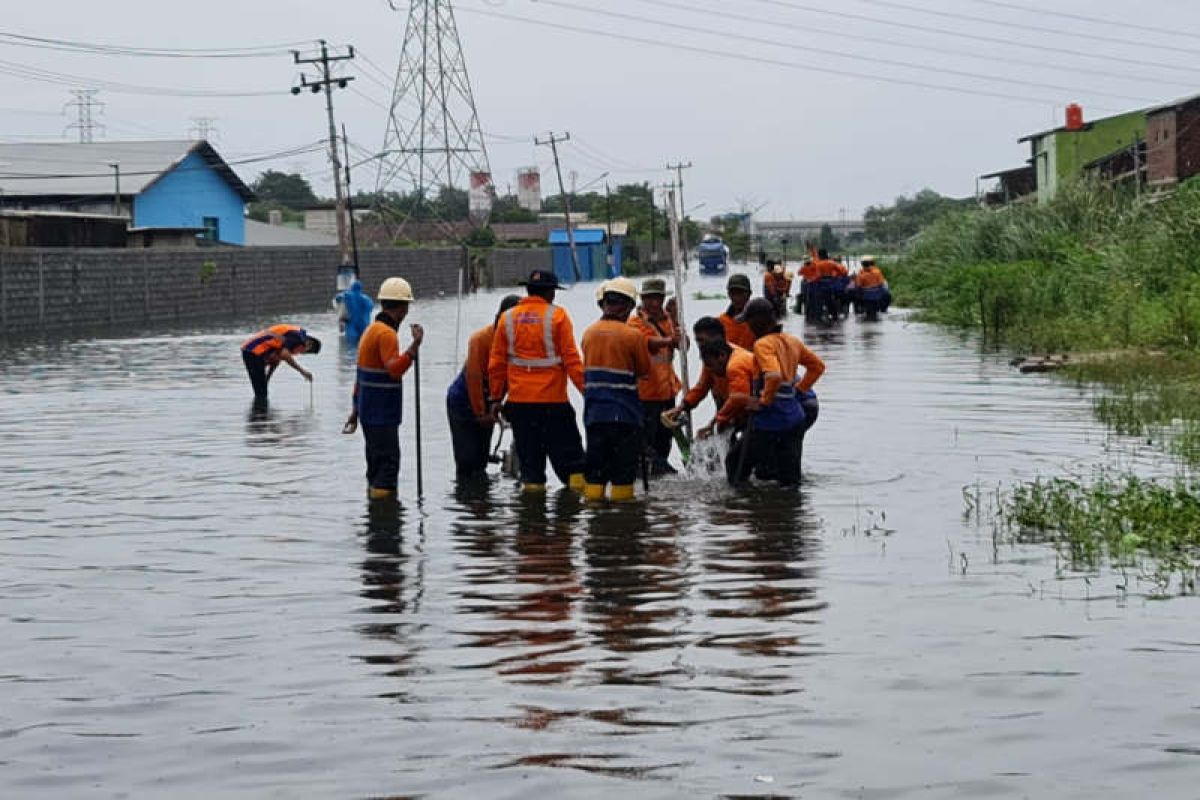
{"x": 470, "y": 418}
{"x": 378, "y": 392}
{"x": 658, "y": 390}
{"x": 808, "y": 280}
{"x": 706, "y": 329}
{"x": 263, "y": 352}
{"x": 615, "y": 356}
{"x": 739, "y": 333}
{"x": 869, "y": 285}
{"x": 533, "y": 356}
{"x": 775, "y": 441}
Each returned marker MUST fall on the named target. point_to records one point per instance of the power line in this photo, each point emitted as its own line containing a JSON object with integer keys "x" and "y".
{"x": 1008, "y": 60}
{"x": 1126, "y": 24}
{"x": 839, "y": 54}
{"x": 1021, "y": 26}
{"x": 96, "y": 48}
{"x": 775, "y": 62}
{"x": 67, "y": 79}
{"x": 1107, "y": 57}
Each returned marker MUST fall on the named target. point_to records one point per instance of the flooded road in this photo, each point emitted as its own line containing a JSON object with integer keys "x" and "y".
{"x": 197, "y": 601}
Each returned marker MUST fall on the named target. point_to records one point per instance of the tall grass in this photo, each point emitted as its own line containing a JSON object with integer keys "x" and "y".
{"x": 1093, "y": 269}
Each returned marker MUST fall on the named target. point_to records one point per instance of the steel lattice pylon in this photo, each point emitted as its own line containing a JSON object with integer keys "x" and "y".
{"x": 433, "y": 135}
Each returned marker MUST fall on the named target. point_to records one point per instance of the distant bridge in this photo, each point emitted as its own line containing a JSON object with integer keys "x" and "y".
{"x": 799, "y": 230}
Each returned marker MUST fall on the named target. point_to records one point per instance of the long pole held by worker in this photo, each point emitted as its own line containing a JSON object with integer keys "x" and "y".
{"x": 417, "y": 404}
{"x": 677, "y": 264}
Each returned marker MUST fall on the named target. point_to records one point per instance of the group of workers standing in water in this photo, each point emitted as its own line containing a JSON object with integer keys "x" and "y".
{"x": 518, "y": 368}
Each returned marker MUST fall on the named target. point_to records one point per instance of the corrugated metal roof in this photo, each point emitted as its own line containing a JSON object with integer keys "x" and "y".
{"x": 1183, "y": 101}
{"x": 40, "y": 169}
{"x": 260, "y": 234}
{"x": 559, "y": 236}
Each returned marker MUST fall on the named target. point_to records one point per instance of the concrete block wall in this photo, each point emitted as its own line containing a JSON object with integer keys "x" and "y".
{"x": 507, "y": 266}
{"x": 76, "y": 290}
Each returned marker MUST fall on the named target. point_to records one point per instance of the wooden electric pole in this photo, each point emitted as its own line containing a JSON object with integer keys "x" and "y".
{"x": 553, "y": 141}
{"x": 326, "y": 84}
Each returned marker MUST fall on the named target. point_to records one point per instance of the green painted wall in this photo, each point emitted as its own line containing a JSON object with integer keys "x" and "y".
{"x": 1061, "y": 155}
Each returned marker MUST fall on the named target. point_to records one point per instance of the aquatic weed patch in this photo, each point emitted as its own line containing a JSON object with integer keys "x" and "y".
{"x": 1129, "y": 522}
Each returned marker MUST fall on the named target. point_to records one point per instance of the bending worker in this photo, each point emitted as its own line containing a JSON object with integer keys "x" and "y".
{"x": 263, "y": 352}
{"x": 658, "y": 390}
{"x": 471, "y": 420}
{"x": 778, "y": 426}
{"x": 728, "y": 373}
{"x": 739, "y": 333}
{"x": 378, "y": 393}
{"x": 615, "y": 356}
{"x": 533, "y": 356}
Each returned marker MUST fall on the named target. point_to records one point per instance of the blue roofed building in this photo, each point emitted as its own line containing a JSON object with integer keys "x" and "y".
{"x": 172, "y": 185}
{"x": 592, "y": 247}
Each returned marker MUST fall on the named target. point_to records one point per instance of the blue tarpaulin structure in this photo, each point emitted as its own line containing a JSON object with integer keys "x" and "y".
{"x": 591, "y": 244}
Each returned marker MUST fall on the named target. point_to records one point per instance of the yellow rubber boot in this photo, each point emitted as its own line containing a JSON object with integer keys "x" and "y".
{"x": 577, "y": 482}
{"x": 622, "y": 494}
{"x": 380, "y": 494}
{"x": 533, "y": 488}
{"x": 593, "y": 492}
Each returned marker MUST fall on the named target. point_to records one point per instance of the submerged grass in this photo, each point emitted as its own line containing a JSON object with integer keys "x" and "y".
{"x": 1132, "y": 523}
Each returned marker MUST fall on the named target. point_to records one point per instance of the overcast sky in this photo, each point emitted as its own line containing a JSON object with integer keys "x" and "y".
{"x": 773, "y": 101}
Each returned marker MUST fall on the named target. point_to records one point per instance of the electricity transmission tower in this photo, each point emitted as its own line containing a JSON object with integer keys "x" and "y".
{"x": 433, "y": 138}
{"x": 85, "y": 103}
{"x": 203, "y": 128}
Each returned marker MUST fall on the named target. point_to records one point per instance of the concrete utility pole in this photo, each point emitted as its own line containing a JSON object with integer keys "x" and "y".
{"x": 553, "y": 141}
{"x": 678, "y": 169}
{"x": 116, "y": 168}
{"x": 326, "y": 84}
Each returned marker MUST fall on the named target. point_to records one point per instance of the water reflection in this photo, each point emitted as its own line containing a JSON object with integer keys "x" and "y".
{"x": 388, "y": 587}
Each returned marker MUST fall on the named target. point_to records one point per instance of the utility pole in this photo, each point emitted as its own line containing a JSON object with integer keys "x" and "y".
{"x": 653, "y": 241}
{"x": 1137, "y": 165}
{"x": 678, "y": 169}
{"x": 553, "y": 141}
{"x": 85, "y": 101}
{"x": 350, "y": 200}
{"x": 326, "y": 84}
{"x": 116, "y": 168}
{"x": 608, "y": 222}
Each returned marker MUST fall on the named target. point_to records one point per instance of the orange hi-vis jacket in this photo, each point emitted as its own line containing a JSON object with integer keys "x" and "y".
{"x": 869, "y": 278}
{"x": 731, "y": 391}
{"x": 809, "y": 271}
{"x": 533, "y": 354}
{"x": 779, "y": 357}
{"x": 662, "y": 384}
{"x": 615, "y": 356}
{"x": 828, "y": 268}
{"x": 771, "y": 285}
{"x": 274, "y": 339}
{"x": 738, "y": 334}
{"x": 377, "y": 392}
{"x": 475, "y": 370}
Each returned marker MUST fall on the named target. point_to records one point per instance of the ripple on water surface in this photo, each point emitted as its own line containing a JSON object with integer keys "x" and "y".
{"x": 197, "y": 598}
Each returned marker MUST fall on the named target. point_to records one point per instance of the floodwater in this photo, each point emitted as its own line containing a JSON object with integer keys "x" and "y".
{"x": 196, "y": 600}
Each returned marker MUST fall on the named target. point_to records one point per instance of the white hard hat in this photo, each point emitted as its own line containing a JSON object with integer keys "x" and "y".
{"x": 623, "y": 287}
{"x": 865, "y": 259}
{"x": 396, "y": 289}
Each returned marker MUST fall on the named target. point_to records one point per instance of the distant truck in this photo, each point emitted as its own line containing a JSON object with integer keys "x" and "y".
{"x": 713, "y": 255}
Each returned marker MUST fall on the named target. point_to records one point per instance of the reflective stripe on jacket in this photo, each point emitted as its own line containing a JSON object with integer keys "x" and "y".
{"x": 273, "y": 339}
{"x": 614, "y": 356}
{"x": 378, "y": 394}
{"x": 533, "y": 354}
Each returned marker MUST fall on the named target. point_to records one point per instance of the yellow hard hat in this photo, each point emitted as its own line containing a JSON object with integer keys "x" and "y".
{"x": 396, "y": 289}
{"x": 623, "y": 287}
{"x": 866, "y": 259}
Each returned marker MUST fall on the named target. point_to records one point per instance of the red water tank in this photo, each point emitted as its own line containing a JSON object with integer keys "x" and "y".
{"x": 1074, "y": 117}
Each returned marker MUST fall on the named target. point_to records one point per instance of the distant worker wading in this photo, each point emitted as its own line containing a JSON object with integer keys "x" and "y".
{"x": 378, "y": 392}
{"x": 533, "y": 357}
{"x": 264, "y": 351}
